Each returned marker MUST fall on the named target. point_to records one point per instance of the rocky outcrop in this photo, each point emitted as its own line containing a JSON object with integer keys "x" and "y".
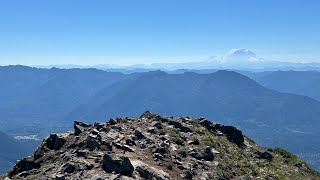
{"x": 54, "y": 142}
{"x": 232, "y": 133}
{"x": 23, "y": 165}
{"x": 157, "y": 147}
{"x": 79, "y": 127}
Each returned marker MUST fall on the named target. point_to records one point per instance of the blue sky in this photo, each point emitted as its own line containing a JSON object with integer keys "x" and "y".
{"x": 145, "y": 31}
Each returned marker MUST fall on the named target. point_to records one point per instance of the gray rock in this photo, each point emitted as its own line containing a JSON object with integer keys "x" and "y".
{"x": 138, "y": 134}
{"x": 148, "y": 172}
{"x": 265, "y": 155}
{"x": 25, "y": 164}
{"x": 79, "y": 127}
{"x": 158, "y": 156}
{"x": 162, "y": 150}
{"x": 130, "y": 142}
{"x": 119, "y": 165}
{"x": 69, "y": 168}
{"x": 122, "y": 147}
{"x": 100, "y": 126}
{"x": 204, "y": 153}
{"x": 106, "y": 146}
{"x": 112, "y": 121}
{"x": 92, "y": 142}
{"x": 55, "y": 142}
{"x": 179, "y": 125}
{"x": 148, "y": 115}
{"x": 81, "y": 153}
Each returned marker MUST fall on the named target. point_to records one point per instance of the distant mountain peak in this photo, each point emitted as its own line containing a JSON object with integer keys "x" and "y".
{"x": 232, "y": 80}
{"x": 236, "y": 58}
{"x": 241, "y": 52}
{"x": 243, "y": 55}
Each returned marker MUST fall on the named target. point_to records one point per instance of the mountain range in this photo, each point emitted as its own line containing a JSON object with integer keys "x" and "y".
{"x": 305, "y": 83}
{"x": 235, "y": 59}
{"x": 52, "y": 98}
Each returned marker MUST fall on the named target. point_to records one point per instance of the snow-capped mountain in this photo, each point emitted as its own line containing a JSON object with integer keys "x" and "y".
{"x": 242, "y": 55}
{"x": 235, "y": 57}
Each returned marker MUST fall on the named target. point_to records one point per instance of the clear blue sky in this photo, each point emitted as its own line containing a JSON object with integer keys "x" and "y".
{"x": 137, "y": 31}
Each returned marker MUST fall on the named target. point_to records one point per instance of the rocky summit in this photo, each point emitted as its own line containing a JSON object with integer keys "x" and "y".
{"x": 156, "y": 147}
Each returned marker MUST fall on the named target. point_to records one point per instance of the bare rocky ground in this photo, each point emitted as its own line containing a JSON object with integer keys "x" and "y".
{"x": 160, "y": 148}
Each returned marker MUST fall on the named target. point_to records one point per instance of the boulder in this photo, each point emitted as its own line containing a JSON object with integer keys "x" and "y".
{"x": 205, "y": 153}
{"x": 130, "y": 142}
{"x": 179, "y": 125}
{"x": 265, "y": 155}
{"x": 112, "y": 121}
{"x": 158, "y": 156}
{"x": 25, "y": 164}
{"x": 162, "y": 150}
{"x": 119, "y": 165}
{"x": 233, "y": 134}
{"x": 100, "y": 126}
{"x": 148, "y": 115}
{"x": 106, "y": 146}
{"x": 55, "y": 142}
{"x": 147, "y": 172}
{"x": 161, "y": 119}
{"x": 79, "y": 127}
{"x": 69, "y": 168}
{"x": 81, "y": 153}
{"x": 138, "y": 134}
{"x": 92, "y": 142}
